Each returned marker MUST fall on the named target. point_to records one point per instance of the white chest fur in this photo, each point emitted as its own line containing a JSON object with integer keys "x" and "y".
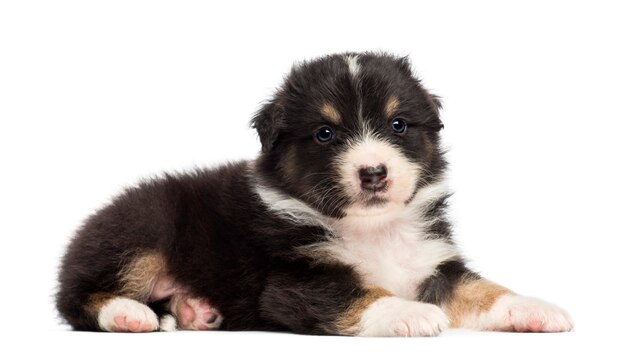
{"x": 395, "y": 255}
{"x": 390, "y": 250}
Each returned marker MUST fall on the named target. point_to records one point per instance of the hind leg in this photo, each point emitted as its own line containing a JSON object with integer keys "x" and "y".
{"x": 187, "y": 312}
{"x": 142, "y": 280}
{"x": 123, "y": 308}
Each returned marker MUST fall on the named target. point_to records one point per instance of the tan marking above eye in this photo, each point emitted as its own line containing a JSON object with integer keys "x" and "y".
{"x": 331, "y": 113}
{"x": 391, "y": 107}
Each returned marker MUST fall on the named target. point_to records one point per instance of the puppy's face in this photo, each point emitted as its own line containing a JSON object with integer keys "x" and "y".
{"x": 351, "y": 134}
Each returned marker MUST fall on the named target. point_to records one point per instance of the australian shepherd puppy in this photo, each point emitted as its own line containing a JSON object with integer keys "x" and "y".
{"x": 338, "y": 227}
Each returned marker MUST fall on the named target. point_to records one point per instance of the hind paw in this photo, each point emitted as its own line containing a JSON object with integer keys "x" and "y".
{"x": 127, "y": 315}
{"x": 195, "y": 313}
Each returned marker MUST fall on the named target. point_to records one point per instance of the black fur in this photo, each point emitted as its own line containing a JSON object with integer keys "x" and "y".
{"x": 220, "y": 241}
{"x": 223, "y": 254}
{"x": 440, "y": 228}
{"x": 438, "y": 288}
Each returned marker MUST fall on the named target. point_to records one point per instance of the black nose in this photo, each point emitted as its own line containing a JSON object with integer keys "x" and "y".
{"x": 373, "y": 178}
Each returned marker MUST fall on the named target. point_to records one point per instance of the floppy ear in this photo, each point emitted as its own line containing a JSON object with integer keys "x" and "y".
{"x": 433, "y": 102}
{"x": 268, "y": 122}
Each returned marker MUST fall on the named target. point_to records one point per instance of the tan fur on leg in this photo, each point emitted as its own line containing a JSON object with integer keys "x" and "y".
{"x": 349, "y": 320}
{"x": 140, "y": 275}
{"x": 471, "y": 298}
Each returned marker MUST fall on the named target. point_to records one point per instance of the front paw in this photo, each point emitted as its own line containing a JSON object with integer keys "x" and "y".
{"x": 393, "y": 316}
{"x": 524, "y": 314}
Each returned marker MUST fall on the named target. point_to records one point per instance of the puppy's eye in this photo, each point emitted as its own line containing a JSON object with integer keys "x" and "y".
{"x": 398, "y": 125}
{"x": 324, "y": 134}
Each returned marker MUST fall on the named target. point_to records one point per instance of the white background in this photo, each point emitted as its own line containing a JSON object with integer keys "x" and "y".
{"x": 96, "y": 95}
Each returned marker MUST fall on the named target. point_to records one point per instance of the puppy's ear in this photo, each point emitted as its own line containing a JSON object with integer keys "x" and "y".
{"x": 432, "y": 102}
{"x": 268, "y": 122}
{"x": 435, "y": 102}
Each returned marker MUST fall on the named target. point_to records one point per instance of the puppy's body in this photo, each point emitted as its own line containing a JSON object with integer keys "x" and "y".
{"x": 211, "y": 233}
{"x": 338, "y": 227}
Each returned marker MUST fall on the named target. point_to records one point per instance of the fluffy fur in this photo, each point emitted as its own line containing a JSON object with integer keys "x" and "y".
{"x": 338, "y": 227}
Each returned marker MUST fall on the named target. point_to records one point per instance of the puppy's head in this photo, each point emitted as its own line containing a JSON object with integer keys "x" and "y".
{"x": 351, "y": 134}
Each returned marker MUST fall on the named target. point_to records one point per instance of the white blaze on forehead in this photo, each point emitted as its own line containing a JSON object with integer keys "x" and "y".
{"x": 353, "y": 64}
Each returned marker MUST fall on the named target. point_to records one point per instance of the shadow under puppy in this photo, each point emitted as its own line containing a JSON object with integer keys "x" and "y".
{"x": 339, "y": 227}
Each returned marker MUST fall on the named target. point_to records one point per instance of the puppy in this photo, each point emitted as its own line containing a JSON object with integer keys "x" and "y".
{"x": 338, "y": 227}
